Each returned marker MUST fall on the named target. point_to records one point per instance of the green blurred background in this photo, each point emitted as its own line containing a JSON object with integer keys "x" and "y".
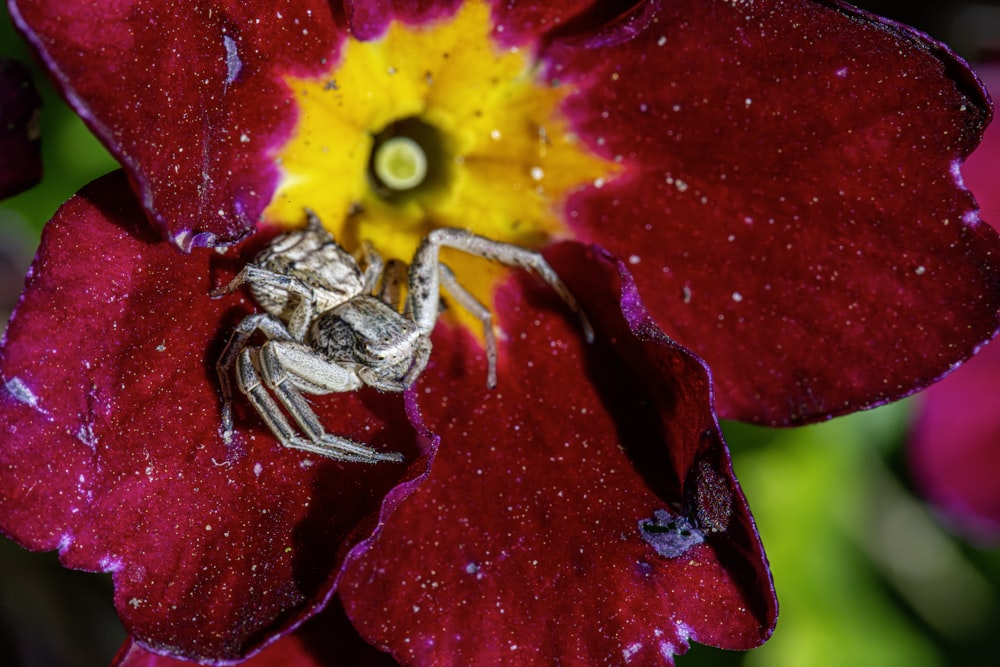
{"x": 865, "y": 575}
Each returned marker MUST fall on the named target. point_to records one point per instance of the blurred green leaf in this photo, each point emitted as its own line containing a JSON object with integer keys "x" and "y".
{"x": 72, "y": 155}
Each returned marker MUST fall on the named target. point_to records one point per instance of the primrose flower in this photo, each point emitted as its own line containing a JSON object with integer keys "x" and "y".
{"x": 954, "y": 451}
{"x": 20, "y": 144}
{"x": 771, "y": 184}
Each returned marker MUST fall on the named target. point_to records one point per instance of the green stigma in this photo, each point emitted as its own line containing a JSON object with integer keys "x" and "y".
{"x": 400, "y": 163}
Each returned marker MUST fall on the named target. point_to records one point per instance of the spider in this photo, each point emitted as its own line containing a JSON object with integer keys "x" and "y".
{"x": 331, "y": 326}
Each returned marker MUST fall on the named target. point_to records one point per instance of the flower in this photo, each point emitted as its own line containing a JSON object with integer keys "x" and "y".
{"x": 730, "y": 153}
{"x": 20, "y": 144}
{"x": 953, "y": 444}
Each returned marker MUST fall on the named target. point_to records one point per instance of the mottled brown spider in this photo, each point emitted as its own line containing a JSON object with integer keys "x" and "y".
{"x": 331, "y": 326}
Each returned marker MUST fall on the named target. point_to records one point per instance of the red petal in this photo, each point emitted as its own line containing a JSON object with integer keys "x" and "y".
{"x": 113, "y": 454}
{"x": 20, "y": 144}
{"x": 954, "y": 450}
{"x": 530, "y": 521}
{"x": 368, "y": 19}
{"x": 530, "y": 22}
{"x": 188, "y": 96}
{"x": 789, "y": 200}
{"x": 981, "y": 172}
{"x": 326, "y": 640}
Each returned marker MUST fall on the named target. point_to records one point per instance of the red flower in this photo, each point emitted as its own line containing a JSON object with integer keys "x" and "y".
{"x": 779, "y": 178}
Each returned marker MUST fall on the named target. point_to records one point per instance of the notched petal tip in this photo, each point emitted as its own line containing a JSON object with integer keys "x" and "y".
{"x": 952, "y": 443}
{"x": 715, "y": 196}
{"x": 978, "y": 104}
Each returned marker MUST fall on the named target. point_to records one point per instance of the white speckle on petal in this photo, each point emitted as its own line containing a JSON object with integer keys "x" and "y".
{"x": 629, "y": 651}
{"x": 233, "y": 63}
{"x": 183, "y": 240}
{"x": 85, "y": 434}
{"x": 23, "y": 394}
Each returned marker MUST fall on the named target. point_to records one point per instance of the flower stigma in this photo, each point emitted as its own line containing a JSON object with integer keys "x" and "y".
{"x": 400, "y": 163}
{"x": 433, "y": 125}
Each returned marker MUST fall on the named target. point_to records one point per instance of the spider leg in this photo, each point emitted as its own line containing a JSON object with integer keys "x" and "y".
{"x": 313, "y": 223}
{"x": 341, "y": 449}
{"x": 269, "y": 281}
{"x": 250, "y": 383}
{"x": 252, "y": 273}
{"x": 272, "y": 328}
{"x": 425, "y": 277}
{"x": 471, "y": 304}
{"x": 289, "y": 367}
{"x": 373, "y": 265}
{"x": 393, "y": 279}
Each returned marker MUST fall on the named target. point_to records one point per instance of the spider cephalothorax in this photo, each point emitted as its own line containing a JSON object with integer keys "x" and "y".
{"x": 331, "y": 326}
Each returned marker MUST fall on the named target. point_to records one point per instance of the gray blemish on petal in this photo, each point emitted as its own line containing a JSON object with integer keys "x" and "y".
{"x": 85, "y": 434}
{"x": 629, "y": 651}
{"x": 23, "y": 394}
{"x": 65, "y": 542}
{"x": 670, "y": 535}
{"x": 233, "y": 62}
{"x": 110, "y": 564}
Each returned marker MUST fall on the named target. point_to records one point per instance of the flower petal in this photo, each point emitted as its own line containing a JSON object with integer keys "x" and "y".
{"x": 20, "y": 144}
{"x": 368, "y": 19}
{"x": 113, "y": 454}
{"x": 551, "y": 499}
{"x": 531, "y": 22}
{"x": 187, "y": 96}
{"x": 326, "y": 640}
{"x": 790, "y": 202}
{"x": 953, "y": 448}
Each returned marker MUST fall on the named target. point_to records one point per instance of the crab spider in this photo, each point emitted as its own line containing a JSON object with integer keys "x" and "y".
{"x": 331, "y": 326}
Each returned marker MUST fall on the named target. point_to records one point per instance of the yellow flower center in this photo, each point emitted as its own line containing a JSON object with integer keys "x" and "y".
{"x": 429, "y": 126}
